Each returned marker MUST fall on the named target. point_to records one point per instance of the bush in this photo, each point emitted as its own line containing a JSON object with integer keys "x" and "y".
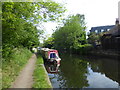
{"x": 83, "y": 49}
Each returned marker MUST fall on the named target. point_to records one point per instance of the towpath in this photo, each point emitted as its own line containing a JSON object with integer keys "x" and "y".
{"x": 25, "y": 78}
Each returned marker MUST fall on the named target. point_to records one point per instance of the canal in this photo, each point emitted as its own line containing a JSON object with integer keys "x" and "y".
{"x": 77, "y": 71}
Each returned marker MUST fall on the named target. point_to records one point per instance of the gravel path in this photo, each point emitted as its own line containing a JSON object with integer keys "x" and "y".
{"x": 25, "y": 78}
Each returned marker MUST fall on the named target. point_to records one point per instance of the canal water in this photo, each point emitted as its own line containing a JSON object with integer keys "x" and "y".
{"x": 77, "y": 71}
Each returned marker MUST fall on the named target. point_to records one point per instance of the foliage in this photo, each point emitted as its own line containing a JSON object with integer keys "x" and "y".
{"x": 49, "y": 42}
{"x": 19, "y": 20}
{"x": 92, "y": 37}
{"x": 19, "y": 24}
{"x": 83, "y": 49}
{"x": 12, "y": 68}
{"x": 40, "y": 78}
{"x": 72, "y": 34}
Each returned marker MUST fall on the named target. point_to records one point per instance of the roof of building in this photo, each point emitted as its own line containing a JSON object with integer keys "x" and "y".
{"x": 102, "y": 27}
{"x": 115, "y": 31}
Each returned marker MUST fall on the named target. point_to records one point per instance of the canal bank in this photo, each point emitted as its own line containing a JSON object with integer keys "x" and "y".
{"x": 78, "y": 71}
{"x": 40, "y": 76}
{"x": 105, "y": 53}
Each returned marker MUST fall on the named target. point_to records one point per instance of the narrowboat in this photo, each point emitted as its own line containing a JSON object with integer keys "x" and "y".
{"x": 50, "y": 55}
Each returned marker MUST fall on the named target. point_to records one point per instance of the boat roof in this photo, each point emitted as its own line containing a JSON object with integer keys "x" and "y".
{"x": 47, "y": 49}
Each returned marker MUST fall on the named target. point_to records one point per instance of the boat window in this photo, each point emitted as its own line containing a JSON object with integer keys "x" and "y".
{"x": 52, "y": 55}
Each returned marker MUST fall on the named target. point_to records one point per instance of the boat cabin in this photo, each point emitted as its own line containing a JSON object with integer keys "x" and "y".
{"x": 50, "y": 55}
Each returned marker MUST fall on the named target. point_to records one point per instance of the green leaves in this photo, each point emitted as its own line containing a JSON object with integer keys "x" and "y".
{"x": 49, "y": 42}
{"x": 19, "y": 20}
{"x": 72, "y": 34}
{"x": 92, "y": 37}
{"x": 50, "y": 10}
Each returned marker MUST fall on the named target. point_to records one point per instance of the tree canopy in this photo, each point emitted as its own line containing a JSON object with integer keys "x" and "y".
{"x": 49, "y": 42}
{"x": 19, "y": 20}
{"x": 72, "y": 34}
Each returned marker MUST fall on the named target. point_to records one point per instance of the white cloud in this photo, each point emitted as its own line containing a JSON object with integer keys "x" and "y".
{"x": 50, "y": 26}
{"x": 97, "y": 12}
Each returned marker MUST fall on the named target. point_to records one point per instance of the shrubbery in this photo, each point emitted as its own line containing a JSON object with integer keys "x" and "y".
{"x": 83, "y": 49}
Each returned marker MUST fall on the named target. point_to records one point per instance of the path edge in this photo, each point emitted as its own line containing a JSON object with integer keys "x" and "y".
{"x": 48, "y": 80}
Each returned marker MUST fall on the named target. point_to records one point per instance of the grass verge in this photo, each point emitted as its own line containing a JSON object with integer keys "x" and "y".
{"x": 11, "y": 67}
{"x": 40, "y": 77}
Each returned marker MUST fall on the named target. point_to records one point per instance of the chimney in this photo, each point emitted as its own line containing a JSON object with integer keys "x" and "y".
{"x": 117, "y": 22}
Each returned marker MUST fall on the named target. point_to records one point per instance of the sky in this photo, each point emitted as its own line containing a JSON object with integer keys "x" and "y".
{"x": 97, "y": 12}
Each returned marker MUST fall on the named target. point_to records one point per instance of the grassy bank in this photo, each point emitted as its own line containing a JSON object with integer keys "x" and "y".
{"x": 13, "y": 65}
{"x": 40, "y": 77}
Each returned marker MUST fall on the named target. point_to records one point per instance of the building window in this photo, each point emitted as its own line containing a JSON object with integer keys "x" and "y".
{"x": 102, "y": 30}
{"x": 96, "y": 31}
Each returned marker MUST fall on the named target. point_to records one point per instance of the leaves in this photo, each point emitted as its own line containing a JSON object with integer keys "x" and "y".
{"x": 19, "y": 20}
{"x": 49, "y": 42}
{"x": 72, "y": 34}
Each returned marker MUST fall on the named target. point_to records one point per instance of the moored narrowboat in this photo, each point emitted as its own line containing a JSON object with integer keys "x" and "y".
{"x": 50, "y": 55}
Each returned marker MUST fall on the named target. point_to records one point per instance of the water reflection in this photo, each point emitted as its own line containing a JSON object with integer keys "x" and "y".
{"x": 52, "y": 68}
{"x": 84, "y": 72}
{"x": 99, "y": 80}
{"x": 109, "y": 67}
{"x": 73, "y": 72}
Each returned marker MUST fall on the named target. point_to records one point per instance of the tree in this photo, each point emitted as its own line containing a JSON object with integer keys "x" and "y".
{"x": 94, "y": 38}
{"x": 19, "y": 20}
{"x": 49, "y": 42}
{"x": 72, "y": 34}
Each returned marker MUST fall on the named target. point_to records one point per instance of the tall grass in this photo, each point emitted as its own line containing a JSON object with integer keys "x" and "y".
{"x": 11, "y": 66}
{"x": 40, "y": 77}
